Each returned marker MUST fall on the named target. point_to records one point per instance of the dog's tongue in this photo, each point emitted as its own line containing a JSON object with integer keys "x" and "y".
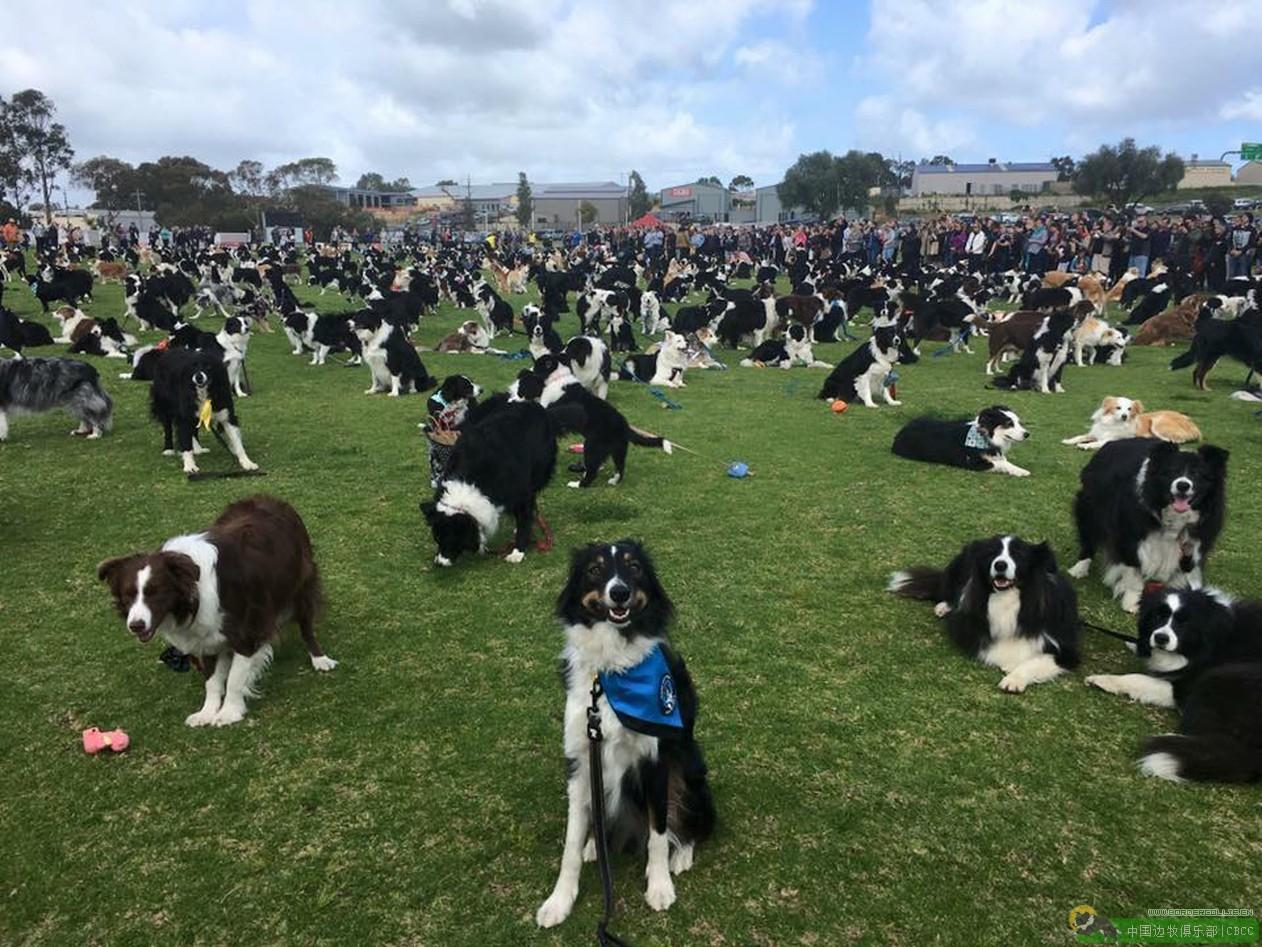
{"x": 1181, "y": 505}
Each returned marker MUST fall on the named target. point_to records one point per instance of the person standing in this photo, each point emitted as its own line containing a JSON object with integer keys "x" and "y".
{"x": 975, "y": 247}
{"x": 1242, "y": 244}
{"x": 1140, "y": 240}
{"x": 1035, "y": 260}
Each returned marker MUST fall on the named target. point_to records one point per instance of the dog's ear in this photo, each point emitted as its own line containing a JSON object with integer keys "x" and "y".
{"x": 1215, "y": 458}
{"x": 429, "y": 509}
{"x": 1137, "y": 407}
{"x": 109, "y": 570}
{"x": 1043, "y": 558}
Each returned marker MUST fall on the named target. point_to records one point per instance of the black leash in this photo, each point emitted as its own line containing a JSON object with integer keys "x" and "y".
{"x": 1129, "y": 639}
{"x": 594, "y": 737}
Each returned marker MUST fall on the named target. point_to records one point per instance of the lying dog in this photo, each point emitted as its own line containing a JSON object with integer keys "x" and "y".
{"x": 223, "y": 595}
{"x": 793, "y": 349}
{"x": 979, "y": 444}
{"x": 1119, "y": 418}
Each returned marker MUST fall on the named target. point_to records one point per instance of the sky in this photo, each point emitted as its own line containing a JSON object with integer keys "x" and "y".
{"x": 677, "y": 89}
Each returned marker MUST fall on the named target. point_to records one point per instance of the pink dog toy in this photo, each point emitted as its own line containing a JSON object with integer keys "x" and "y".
{"x": 94, "y": 741}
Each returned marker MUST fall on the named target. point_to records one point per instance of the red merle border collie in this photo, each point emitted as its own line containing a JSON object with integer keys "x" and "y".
{"x": 223, "y": 596}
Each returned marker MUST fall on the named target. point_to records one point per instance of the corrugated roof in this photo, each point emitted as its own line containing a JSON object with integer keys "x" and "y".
{"x": 477, "y": 192}
{"x": 997, "y": 168}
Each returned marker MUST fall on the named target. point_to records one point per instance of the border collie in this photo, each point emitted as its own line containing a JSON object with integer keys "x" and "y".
{"x": 1120, "y": 418}
{"x": 34, "y": 385}
{"x": 1154, "y": 510}
{"x": 183, "y": 382}
{"x": 588, "y": 358}
{"x": 1006, "y": 604}
{"x": 793, "y": 349}
{"x": 979, "y": 444}
{"x": 1204, "y": 655}
{"x": 606, "y": 433}
{"x": 1040, "y": 366}
{"x": 391, "y": 359}
{"x": 17, "y": 333}
{"x": 224, "y": 595}
{"x": 234, "y": 340}
{"x": 469, "y": 336}
{"x": 497, "y": 315}
{"x": 665, "y": 366}
{"x": 498, "y": 466}
{"x": 615, "y": 614}
{"x": 1239, "y": 338}
{"x": 864, "y": 370}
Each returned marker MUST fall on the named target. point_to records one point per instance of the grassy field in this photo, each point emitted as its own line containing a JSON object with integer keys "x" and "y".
{"x": 874, "y": 787}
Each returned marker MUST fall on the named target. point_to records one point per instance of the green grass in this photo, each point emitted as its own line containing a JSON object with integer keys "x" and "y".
{"x": 873, "y": 786}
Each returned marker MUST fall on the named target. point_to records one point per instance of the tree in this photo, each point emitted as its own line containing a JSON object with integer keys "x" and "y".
{"x": 184, "y": 191}
{"x": 712, "y": 179}
{"x": 467, "y": 214}
{"x": 742, "y": 182}
{"x": 1125, "y": 173}
{"x": 113, "y": 181}
{"x": 941, "y": 160}
{"x": 525, "y": 201}
{"x": 446, "y": 182}
{"x": 587, "y": 212}
{"x": 902, "y": 170}
{"x": 248, "y": 178}
{"x": 1065, "y": 167}
{"x": 301, "y": 173}
{"x": 37, "y": 145}
{"x": 372, "y": 181}
{"x": 638, "y": 200}
{"x": 823, "y": 183}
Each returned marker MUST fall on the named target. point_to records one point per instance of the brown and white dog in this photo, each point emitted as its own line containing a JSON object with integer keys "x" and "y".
{"x": 469, "y": 336}
{"x": 111, "y": 271}
{"x": 223, "y": 596}
{"x": 1120, "y": 418}
{"x": 1093, "y": 333}
{"x": 1176, "y": 324}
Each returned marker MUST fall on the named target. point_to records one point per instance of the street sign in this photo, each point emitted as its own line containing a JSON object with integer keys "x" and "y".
{"x": 1251, "y": 151}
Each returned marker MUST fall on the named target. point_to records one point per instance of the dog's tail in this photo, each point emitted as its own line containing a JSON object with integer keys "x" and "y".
{"x": 1184, "y": 360}
{"x": 919, "y": 582}
{"x": 92, "y": 404}
{"x": 1206, "y": 758}
{"x": 645, "y": 439}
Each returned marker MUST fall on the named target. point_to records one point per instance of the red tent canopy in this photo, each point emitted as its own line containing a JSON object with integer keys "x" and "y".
{"x": 648, "y": 220}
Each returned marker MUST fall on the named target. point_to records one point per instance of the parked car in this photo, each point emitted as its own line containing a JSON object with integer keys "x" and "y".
{"x": 1244, "y": 203}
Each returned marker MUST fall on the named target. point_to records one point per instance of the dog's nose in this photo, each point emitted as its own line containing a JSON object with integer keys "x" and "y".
{"x": 1160, "y": 639}
{"x": 619, "y": 594}
{"x": 1183, "y": 485}
{"x": 136, "y": 627}
{"x": 1000, "y": 566}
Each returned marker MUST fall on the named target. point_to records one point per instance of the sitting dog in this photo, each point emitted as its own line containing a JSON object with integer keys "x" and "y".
{"x": 1006, "y": 604}
{"x": 979, "y": 444}
{"x": 1204, "y": 654}
{"x": 1119, "y": 418}
{"x": 223, "y": 595}
{"x": 864, "y": 370}
{"x": 615, "y": 614}
{"x": 191, "y": 388}
{"x": 663, "y": 366}
{"x": 1154, "y": 511}
{"x": 34, "y": 385}
{"x": 391, "y": 359}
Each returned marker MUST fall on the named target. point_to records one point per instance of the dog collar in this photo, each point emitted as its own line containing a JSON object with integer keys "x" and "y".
{"x": 644, "y": 696}
{"x": 975, "y": 438}
{"x": 438, "y": 396}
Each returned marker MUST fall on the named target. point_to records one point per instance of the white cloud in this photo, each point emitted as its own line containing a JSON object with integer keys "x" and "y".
{"x": 563, "y": 89}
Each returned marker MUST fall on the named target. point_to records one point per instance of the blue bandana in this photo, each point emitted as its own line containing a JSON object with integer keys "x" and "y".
{"x": 975, "y": 438}
{"x": 644, "y": 696}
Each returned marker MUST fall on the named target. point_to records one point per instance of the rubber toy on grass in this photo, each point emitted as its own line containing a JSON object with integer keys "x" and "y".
{"x": 738, "y": 470}
{"x": 839, "y": 406}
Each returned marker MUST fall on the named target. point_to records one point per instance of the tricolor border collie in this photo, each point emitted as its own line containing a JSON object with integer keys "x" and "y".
{"x": 34, "y": 385}
{"x": 499, "y": 465}
{"x": 1153, "y": 510}
{"x": 979, "y": 444}
{"x": 863, "y": 372}
{"x": 223, "y": 596}
{"x": 615, "y": 614}
{"x": 1204, "y": 654}
{"x": 1006, "y": 604}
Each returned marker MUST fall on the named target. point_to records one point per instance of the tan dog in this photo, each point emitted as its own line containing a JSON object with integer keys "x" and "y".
{"x": 1176, "y": 324}
{"x": 1013, "y": 334}
{"x": 1114, "y": 295}
{"x": 1120, "y": 418}
{"x": 111, "y": 271}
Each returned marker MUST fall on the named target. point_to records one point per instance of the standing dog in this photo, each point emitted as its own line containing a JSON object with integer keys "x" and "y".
{"x": 33, "y": 385}
{"x": 191, "y": 388}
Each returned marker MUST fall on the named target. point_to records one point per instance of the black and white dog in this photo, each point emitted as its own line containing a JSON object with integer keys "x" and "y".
{"x": 794, "y": 349}
{"x": 979, "y": 444}
{"x": 499, "y": 465}
{"x": 1204, "y": 654}
{"x": 234, "y": 339}
{"x": 497, "y": 315}
{"x": 1040, "y": 366}
{"x": 588, "y": 358}
{"x": 18, "y": 334}
{"x": 391, "y": 358}
{"x": 1006, "y": 604}
{"x": 863, "y": 372}
{"x": 33, "y": 385}
{"x": 543, "y": 337}
{"x": 615, "y": 614}
{"x": 184, "y": 381}
{"x": 1154, "y": 511}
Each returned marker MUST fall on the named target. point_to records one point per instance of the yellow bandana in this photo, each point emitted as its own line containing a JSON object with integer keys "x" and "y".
{"x": 203, "y": 416}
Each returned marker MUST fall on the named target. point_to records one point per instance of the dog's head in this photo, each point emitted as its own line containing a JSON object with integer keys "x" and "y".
{"x": 453, "y": 390}
{"x": 615, "y": 583}
{"x": 1008, "y": 562}
{"x": 365, "y": 324}
{"x": 149, "y": 588}
{"x": 1177, "y": 629}
{"x": 887, "y": 339}
{"x": 674, "y": 347}
{"x": 1181, "y": 482}
{"x": 1115, "y": 410}
{"x": 1001, "y": 425}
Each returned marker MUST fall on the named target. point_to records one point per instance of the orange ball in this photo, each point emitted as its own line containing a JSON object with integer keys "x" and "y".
{"x": 839, "y": 406}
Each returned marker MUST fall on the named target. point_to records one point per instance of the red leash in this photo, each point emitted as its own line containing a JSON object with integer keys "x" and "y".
{"x": 544, "y": 543}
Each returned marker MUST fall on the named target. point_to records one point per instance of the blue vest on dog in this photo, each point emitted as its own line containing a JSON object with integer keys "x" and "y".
{"x": 644, "y": 696}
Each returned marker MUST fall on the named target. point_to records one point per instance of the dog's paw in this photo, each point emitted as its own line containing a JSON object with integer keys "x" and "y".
{"x": 556, "y": 909}
{"x": 942, "y": 609}
{"x": 660, "y": 893}
{"x": 203, "y": 718}
{"x": 589, "y": 850}
{"x": 1105, "y": 682}
{"x": 168, "y": 453}
{"x": 1080, "y": 568}
{"x": 228, "y": 715}
{"x": 1019, "y": 472}
{"x": 1013, "y": 683}
{"x": 1130, "y": 602}
{"x": 895, "y": 404}
{"x": 247, "y": 464}
{"x": 323, "y": 662}
{"x": 681, "y": 859}
{"x": 515, "y": 556}
{"x": 574, "y": 484}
